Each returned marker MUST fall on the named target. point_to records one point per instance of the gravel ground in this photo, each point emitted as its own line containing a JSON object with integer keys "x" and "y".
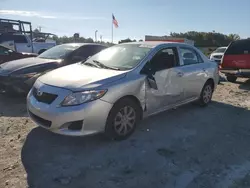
{"x": 186, "y": 147}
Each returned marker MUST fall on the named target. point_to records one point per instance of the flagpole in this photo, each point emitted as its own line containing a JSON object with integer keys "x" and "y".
{"x": 112, "y": 29}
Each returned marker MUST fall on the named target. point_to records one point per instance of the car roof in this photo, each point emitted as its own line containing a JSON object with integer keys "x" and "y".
{"x": 80, "y": 44}
{"x": 153, "y": 44}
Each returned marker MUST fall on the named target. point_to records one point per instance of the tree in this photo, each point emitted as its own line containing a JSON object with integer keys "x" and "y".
{"x": 126, "y": 40}
{"x": 233, "y": 37}
{"x": 207, "y": 39}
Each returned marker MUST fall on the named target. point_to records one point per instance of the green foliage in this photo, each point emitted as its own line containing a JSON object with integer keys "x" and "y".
{"x": 202, "y": 39}
{"x": 207, "y": 39}
{"x": 126, "y": 40}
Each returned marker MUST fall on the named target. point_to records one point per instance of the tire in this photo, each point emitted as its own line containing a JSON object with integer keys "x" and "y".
{"x": 231, "y": 78}
{"x": 122, "y": 119}
{"x": 206, "y": 94}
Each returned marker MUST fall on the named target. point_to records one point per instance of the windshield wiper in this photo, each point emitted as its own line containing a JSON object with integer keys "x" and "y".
{"x": 90, "y": 64}
{"x": 104, "y": 66}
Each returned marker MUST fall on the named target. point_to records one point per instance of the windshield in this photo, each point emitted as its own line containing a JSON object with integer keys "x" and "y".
{"x": 123, "y": 57}
{"x": 58, "y": 52}
{"x": 220, "y": 50}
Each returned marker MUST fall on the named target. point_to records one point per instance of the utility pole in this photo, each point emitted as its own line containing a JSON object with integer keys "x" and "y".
{"x": 101, "y": 38}
{"x": 96, "y": 35}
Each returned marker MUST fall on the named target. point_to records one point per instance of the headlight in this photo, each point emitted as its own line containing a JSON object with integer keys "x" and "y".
{"x": 82, "y": 97}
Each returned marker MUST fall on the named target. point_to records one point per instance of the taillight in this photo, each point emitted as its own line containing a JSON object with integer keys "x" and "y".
{"x": 221, "y": 62}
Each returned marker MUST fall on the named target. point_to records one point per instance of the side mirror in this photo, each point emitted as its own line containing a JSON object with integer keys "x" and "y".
{"x": 147, "y": 70}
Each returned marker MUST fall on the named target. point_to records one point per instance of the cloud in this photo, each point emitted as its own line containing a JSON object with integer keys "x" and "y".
{"x": 45, "y": 16}
{"x": 25, "y": 13}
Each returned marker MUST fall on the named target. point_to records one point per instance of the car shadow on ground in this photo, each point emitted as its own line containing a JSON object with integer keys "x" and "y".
{"x": 177, "y": 136}
{"x": 245, "y": 85}
{"x": 12, "y": 106}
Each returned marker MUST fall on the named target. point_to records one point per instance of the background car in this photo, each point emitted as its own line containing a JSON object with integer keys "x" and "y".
{"x": 6, "y": 54}
{"x": 114, "y": 89}
{"x": 20, "y": 75}
{"x": 217, "y": 54}
{"x": 236, "y": 60}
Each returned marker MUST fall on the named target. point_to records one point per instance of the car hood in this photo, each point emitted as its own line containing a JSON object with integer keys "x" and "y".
{"x": 78, "y": 77}
{"x": 23, "y": 63}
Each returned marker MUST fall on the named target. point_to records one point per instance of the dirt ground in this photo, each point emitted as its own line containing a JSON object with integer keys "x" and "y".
{"x": 189, "y": 147}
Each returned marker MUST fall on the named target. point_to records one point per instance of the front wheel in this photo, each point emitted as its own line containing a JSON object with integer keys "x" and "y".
{"x": 122, "y": 119}
{"x": 206, "y": 94}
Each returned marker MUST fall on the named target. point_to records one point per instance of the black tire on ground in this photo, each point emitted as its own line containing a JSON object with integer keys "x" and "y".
{"x": 125, "y": 110}
{"x": 206, "y": 93}
{"x": 41, "y": 51}
{"x": 231, "y": 78}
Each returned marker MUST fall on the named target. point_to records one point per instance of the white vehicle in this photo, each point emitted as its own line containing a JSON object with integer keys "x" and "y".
{"x": 22, "y": 43}
{"x": 217, "y": 54}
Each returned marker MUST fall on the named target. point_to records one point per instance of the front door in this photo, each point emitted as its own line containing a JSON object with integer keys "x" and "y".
{"x": 164, "y": 87}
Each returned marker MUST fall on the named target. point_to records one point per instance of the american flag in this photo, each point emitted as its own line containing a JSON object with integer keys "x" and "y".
{"x": 115, "y": 22}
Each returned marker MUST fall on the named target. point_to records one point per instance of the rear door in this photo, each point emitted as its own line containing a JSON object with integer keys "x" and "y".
{"x": 237, "y": 55}
{"x": 20, "y": 41}
{"x": 22, "y": 44}
{"x": 194, "y": 73}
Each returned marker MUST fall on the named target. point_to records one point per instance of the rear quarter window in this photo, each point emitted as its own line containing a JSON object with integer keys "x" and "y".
{"x": 238, "y": 47}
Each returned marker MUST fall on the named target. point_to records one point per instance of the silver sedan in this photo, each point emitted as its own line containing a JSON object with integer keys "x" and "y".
{"x": 113, "y": 90}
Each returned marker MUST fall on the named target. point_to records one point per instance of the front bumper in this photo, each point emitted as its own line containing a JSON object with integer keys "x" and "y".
{"x": 17, "y": 84}
{"x": 92, "y": 115}
{"x": 245, "y": 73}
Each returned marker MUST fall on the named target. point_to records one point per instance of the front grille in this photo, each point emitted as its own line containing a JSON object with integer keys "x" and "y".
{"x": 39, "y": 120}
{"x": 44, "y": 97}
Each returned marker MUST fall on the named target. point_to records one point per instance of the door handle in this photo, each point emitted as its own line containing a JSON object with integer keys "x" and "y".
{"x": 180, "y": 74}
{"x": 204, "y": 69}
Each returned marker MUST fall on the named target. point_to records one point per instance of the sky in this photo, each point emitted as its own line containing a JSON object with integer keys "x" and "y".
{"x": 136, "y": 18}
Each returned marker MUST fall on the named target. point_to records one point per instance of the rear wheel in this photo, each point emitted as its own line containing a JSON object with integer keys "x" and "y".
{"x": 231, "y": 78}
{"x": 206, "y": 94}
{"x": 122, "y": 119}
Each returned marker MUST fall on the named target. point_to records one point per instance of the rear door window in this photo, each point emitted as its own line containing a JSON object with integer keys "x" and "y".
{"x": 190, "y": 56}
{"x": 239, "y": 47}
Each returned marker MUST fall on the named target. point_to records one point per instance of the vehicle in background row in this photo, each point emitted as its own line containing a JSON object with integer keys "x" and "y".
{"x": 236, "y": 60}
{"x": 18, "y": 36}
{"x": 114, "y": 89}
{"x": 6, "y": 54}
{"x": 217, "y": 54}
{"x": 20, "y": 75}
{"x": 22, "y": 43}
